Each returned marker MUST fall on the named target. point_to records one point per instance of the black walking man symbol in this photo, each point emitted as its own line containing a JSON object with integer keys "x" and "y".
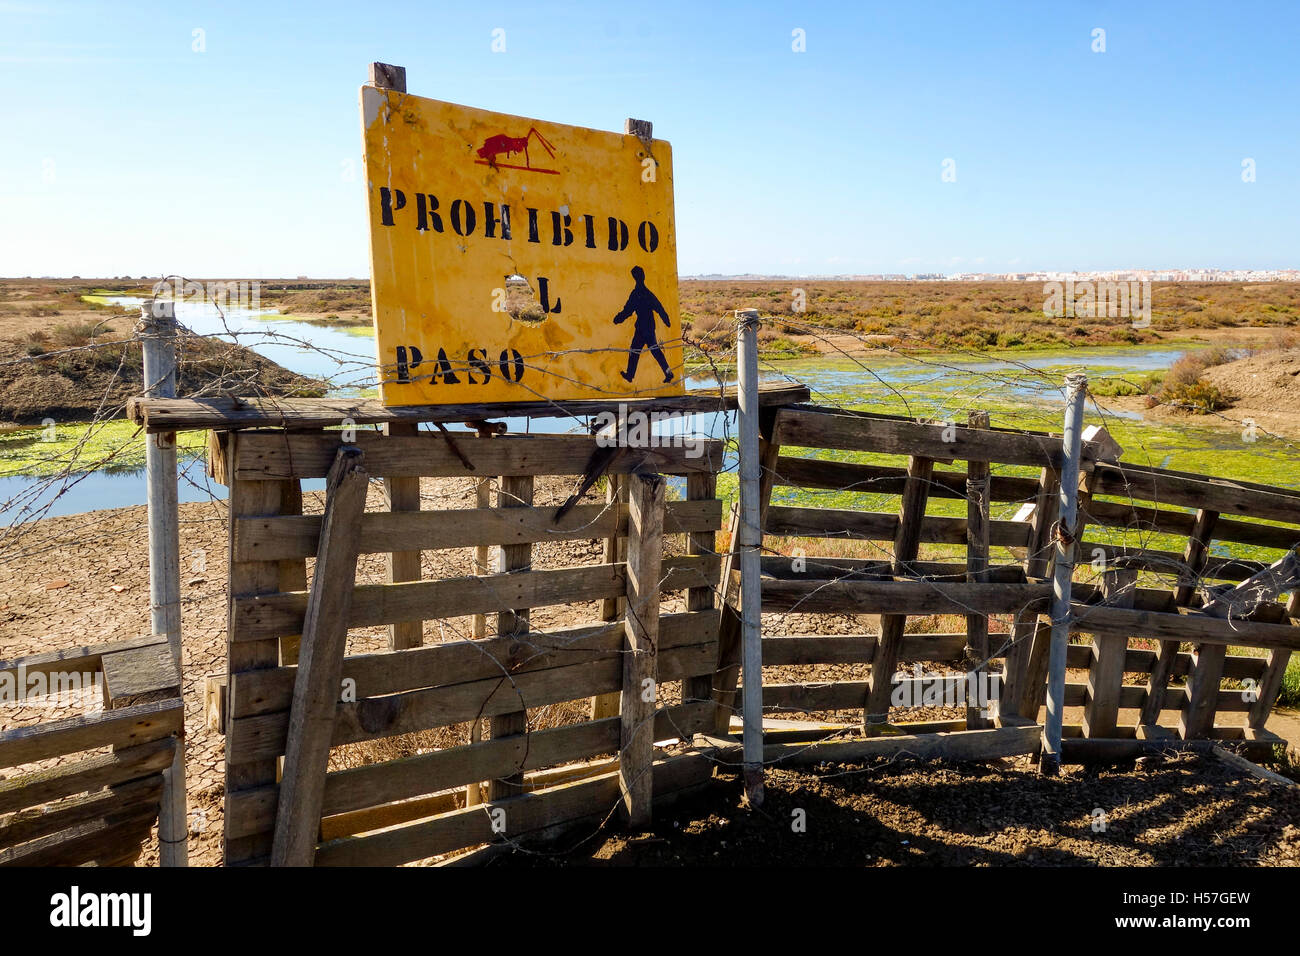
{"x": 646, "y": 305}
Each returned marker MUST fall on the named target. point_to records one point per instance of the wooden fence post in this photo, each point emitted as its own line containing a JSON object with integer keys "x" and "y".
{"x": 1106, "y": 674}
{"x": 907, "y": 542}
{"x": 515, "y": 491}
{"x": 1195, "y": 556}
{"x": 749, "y": 530}
{"x": 641, "y": 643}
{"x": 158, "y": 340}
{"x": 403, "y": 494}
{"x": 611, "y": 609}
{"x": 977, "y": 563}
{"x": 1076, "y": 386}
{"x": 320, "y": 664}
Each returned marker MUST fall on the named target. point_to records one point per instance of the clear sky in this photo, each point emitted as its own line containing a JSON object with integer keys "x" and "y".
{"x": 124, "y": 150}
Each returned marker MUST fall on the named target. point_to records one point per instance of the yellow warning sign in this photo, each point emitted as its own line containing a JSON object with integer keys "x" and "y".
{"x": 517, "y": 260}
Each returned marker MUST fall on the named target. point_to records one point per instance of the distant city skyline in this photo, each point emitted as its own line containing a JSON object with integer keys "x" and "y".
{"x": 825, "y": 138}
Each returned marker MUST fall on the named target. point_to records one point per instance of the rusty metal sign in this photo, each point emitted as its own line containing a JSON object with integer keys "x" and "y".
{"x": 517, "y": 260}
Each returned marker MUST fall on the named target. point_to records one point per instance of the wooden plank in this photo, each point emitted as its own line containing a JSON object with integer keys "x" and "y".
{"x": 254, "y": 618}
{"x": 640, "y": 690}
{"x": 523, "y": 814}
{"x": 324, "y": 642}
{"x": 874, "y": 526}
{"x": 515, "y": 492}
{"x": 790, "y": 650}
{"x": 907, "y": 542}
{"x": 1025, "y": 687}
{"x": 147, "y": 672}
{"x": 700, "y": 489}
{"x": 374, "y": 717}
{"x": 273, "y": 456}
{"x": 1106, "y": 673}
{"x": 1202, "y": 691}
{"x": 822, "y": 428}
{"x": 87, "y": 659}
{"x": 978, "y": 482}
{"x": 1194, "y": 558}
{"x": 911, "y": 597}
{"x": 110, "y": 837}
{"x": 292, "y": 575}
{"x": 1196, "y": 491}
{"x": 220, "y": 412}
{"x": 1137, "y": 661}
{"x": 461, "y": 661}
{"x": 818, "y": 473}
{"x": 371, "y": 785}
{"x": 32, "y": 824}
{"x": 1186, "y": 625}
{"x": 86, "y": 775}
{"x": 784, "y": 567}
{"x": 1237, "y": 762}
{"x": 127, "y": 727}
{"x": 1270, "y": 685}
{"x": 615, "y": 552}
{"x": 247, "y": 579}
{"x": 402, "y": 496}
{"x": 1166, "y": 562}
{"x": 959, "y": 746}
{"x": 259, "y": 539}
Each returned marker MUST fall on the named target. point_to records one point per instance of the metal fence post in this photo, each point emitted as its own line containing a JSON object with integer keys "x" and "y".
{"x": 1076, "y": 392}
{"x": 158, "y": 339}
{"x": 749, "y": 538}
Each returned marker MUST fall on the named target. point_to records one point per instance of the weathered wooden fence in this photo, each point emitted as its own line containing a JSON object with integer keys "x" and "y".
{"x": 911, "y": 460}
{"x": 498, "y": 678}
{"x": 71, "y": 803}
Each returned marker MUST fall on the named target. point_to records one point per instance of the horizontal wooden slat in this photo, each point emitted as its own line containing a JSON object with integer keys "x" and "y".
{"x": 1169, "y": 563}
{"x": 1138, "y": 661}
{"x": 262, "y": 456}
{"x": 31, "y": 824}
{"x": 85, "y": 660}
{"x": 801, "y": 568}
{"x": 296, "y": 536}
{"x": 126, "y": 727}
{"x": 881, "y": 479}
{"x": 955, "y": 746}
{"x": 836, "y": 695}
{"x": 901, "y": 597}
{"x": 527, "y": 812}
{"x": 836, "y": 428}
{"x": 457, "y": 662}
{"x": 1196, "y": 491}
{"x": 859, "y": 649}
{"x": 276, "y": 615}
{"x": 374, "y": 717}
{"x": 92, "y": 773}
{"x": 832, "y": 523}
{"x": 1184, "y": 626}
{"x": 181, "y": 414}
{"x": 112, "y": 837}
{"x": 253, "y": 811}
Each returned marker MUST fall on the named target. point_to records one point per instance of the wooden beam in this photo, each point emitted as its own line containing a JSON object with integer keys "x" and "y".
{"x": 515, "y": 492}
{"x": 906, "y": 544}
{"x": 1106, "y": 673}
{"x": 316, "y": 690}
{"x": 640, "y": 678}
{"x": 184, "y": 414}
{"x": 402, "y": 496}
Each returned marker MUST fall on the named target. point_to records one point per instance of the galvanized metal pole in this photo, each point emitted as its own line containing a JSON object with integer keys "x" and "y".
{"x": 158, "y": 338}
{"x": 749, "y": 538}
{"x": 1076, "y": 392}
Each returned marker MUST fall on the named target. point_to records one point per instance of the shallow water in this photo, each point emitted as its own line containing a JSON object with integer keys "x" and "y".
{"x": 1018, "y": 389}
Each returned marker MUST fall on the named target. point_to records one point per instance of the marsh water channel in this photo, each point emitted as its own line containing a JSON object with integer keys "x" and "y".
{"x": 1021, "y": 389}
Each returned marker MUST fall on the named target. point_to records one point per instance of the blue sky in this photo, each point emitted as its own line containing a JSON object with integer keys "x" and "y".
{"x": 124, "y": 151}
